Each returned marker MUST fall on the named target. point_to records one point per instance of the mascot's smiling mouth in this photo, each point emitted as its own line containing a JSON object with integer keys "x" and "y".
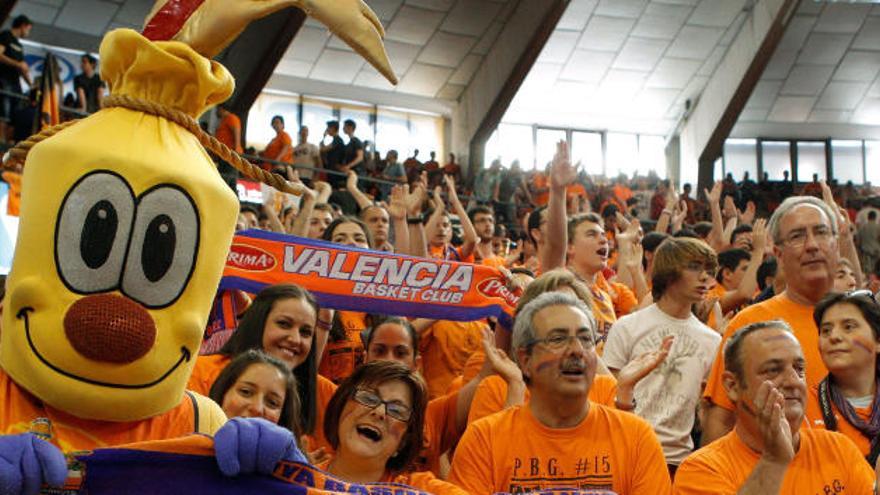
{"x": 185, "y": 356}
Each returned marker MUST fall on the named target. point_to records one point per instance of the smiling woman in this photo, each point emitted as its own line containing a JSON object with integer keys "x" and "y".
{"x": 375, "y": 422}
{"x": 848, "y": 400}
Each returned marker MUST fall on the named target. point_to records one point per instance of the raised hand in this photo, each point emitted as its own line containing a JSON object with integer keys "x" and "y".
{"x": 415, "y": 199}
{"x": 450, "y": 190}
{"x": 748, "y": 216}
{"x": 631, "y": 230}
{"x": 729, "y": 209}
{"x": 498, "y": 360}
{"x": 775, "y": 429}
{"x": 640, "y": 367}
{"x": 216, "y": 23}
{"x": 562, "y": 173}
{"x": 759, "y": 237}
{"x": 680, "y": 213}
{"x": 714, "y": 196}
{"x": 397, "y": 207}
{"x": 351, "y": 181}
{"x": 439, "y": 204}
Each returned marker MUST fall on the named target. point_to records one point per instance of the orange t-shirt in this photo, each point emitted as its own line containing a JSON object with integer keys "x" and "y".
{"x": 445, "y": 348}
{"x": 825, "y": 463}
{"x": 623, "y": 298}
{"x": 276, "y": 145}
{"x": 494, "y": 261}
{"x": 342, "y": 357}
{"x": 440, "y": 433}
{"x": 541, "y": 181}
{"x": 799, "y": 317}
{"x": 206, "y": 371}
{"x": 622, "y": 193}
{"x": 513, "y": 452}
{"x": 21, "y": 412}
{"x": 575, "y": 190}
{"x": 318, "y": 440}
{"x": 491, "y": 395}
{"x": 450, "y": 253}
{"x": 226, "y": 132}
{"x": 718, "y": 292}
{"x": 815, "y": 420}
{"x": 13, "y": 197}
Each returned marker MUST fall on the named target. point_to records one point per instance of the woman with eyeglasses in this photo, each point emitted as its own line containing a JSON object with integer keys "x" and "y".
{"x": 848, "y": 400}
{"x": 374, "y": 422}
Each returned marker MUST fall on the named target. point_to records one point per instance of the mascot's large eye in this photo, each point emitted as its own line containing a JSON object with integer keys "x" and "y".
{"x": 164, "y": 243}
{"x": 92, "y": 232}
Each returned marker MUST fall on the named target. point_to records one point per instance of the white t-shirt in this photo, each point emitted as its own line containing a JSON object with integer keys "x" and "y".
{"x": 667, "y": 398}
{"x": 306, "y": 154}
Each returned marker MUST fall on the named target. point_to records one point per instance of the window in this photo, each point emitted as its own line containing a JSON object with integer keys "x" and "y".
{"x": 652, "y": 155}
{"x": 268, "y": 105}
{"x": 872, "y": 162}
{"x": 811, "y": 161}
{"x": 718, "y": 172}
{"x": 622, "y": 154}
{"x": 392, "y": 133}
{"x": 316, "y": 114}
{"x": 586, "y": 148}
{"x": 426, "y": 135}
{"x": 546, "y": 146}
{"x": 846, "y": 158}
{"x": 776, "y": 159}
{"x": 740, "y": 156}
{"x": 515, "y": 142}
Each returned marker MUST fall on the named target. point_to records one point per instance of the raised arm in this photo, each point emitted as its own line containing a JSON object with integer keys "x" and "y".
{"x": 468, "y": 231}
{"x": 749, "y": 285}
{"x": 397, "y": 211}
{"x": 562, "y": 173}
{"x": 351, "y": 184}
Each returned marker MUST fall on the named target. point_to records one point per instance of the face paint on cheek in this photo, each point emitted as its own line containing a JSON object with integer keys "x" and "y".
{"x": 864, "y": 343}
{"x": 546, "y": 363}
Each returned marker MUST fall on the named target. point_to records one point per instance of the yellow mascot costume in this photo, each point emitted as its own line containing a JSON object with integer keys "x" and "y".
{"x": 125, "y": 226}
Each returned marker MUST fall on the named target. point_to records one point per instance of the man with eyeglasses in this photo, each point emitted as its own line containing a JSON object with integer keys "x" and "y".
{"x": 804, "y": 233}
{"x": 668, "y": 397}
{"x": 559, "y": 439}
{"x": 768, "y": 452}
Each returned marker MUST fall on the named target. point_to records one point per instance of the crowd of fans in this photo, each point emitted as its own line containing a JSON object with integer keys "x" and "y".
{"x": 652, "y": 322}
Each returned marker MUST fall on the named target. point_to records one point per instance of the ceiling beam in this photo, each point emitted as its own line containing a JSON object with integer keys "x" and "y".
{"x": 715, "y": 145}
{"x": 523, "y": 65}
{"x": 728, "y": 90}
{"x": 761, "y": 35}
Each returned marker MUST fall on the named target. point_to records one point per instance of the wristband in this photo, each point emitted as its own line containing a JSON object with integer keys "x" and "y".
{"x": 667, "y": 212}
{"x": 625, "y": 407}
{"x": 414, "y": 220}
{"x": 324, "y": 324}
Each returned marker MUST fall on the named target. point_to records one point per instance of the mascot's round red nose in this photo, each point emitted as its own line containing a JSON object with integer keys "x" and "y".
{"x": 109, "y": 328}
